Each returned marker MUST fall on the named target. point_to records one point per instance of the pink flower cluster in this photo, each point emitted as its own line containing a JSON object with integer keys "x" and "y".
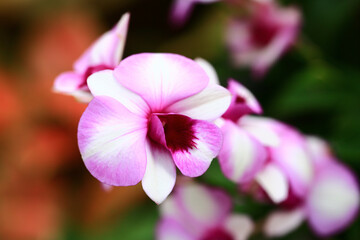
{"x": 277, "y": 164}
{"x": 151, "y": 113}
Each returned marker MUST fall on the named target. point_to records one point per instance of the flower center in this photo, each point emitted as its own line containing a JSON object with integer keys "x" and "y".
{"x": 91, "y": 70}
{"x": 263, "y": 31}
{"x": 217, "y": 234}
{"x": 178, "y": 131}
{"x": 239, "y": 100}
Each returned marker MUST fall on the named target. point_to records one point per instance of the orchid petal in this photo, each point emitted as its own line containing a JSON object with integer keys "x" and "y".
{"x": 295, "y": 161}
{"x": 112, "y": 142}
{"x": 209, "y": 69}
{"x": 320, "y": 151}
{"x": 243, "y": 102}
{"x": 67, "y": 82}
{"x": 169, "y": 209}
{"x": 282, "y": 222}
{"x": 202, "y": 207}
{"x": 161, "y": 79}
{"x": 209, "y": 104}
{"x": 170, "y": 229}
{"x": 241, "y": 156}
{"x": 107, "y": 50}
{"x": 181, "y": 10}
{"x": 261, "y": 128}
{"x": 103, "y": 83}
{"x": 274, "y": 183}
{"x": 160, "y": 174}
{"x": 195, "y": 161}
{"x": 333, "y": 200}
{"x": 240, "y": 226}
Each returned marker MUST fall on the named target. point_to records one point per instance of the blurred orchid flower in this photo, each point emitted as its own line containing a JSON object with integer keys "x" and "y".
{"x": 195, "y": 211}
{"x": 105, "y": 53}
{"x": 258, "y": 40}
{"x": 181, "y": 10}
{"x": 151, "y": 113}
{"x": 289, "y": 165}
{"x": 331, "y": 203}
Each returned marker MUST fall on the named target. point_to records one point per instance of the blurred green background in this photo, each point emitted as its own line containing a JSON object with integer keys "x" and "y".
{"x": 47, "y": 193}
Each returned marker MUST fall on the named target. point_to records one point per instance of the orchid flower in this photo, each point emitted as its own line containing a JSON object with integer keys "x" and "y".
{"x": 105, "y": 53}
{"x": 199, "y": 212}
{"x": 181, "y": 10}
{"x": 331, "y": 203}
{"x": 259, "y": 39}
{"x": 152, "y": 113}
{"x": 289, "y": 165}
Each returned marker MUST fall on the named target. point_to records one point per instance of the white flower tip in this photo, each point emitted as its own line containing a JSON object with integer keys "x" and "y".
{"x": 280, "y": 223}
{"x": 122, "y": 25}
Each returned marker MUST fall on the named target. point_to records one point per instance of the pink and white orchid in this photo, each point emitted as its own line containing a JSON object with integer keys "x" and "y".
{"x": 199, "y": 212}
{"x": 152, "y": 113}
{"x": 181, "y": 10}
{"x": 331, "y": 203}
{"x": 105, "y": 53}
{"x": 260, "y": 38}
{"x": 289, "y": 166}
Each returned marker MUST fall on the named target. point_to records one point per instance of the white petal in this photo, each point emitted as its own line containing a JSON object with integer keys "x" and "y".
{"x": 274, "y": 182}
{"x": 103, "y": 83}
{"x": 240, "y": 226}
{"x": 209, "y": 69}
{"x": 160, "y": 174}
{"x": 241, "y": 156}
{"x": 209, "y": 104}
{"x": 261, "y": 129}
{"x": 280, "y": 223}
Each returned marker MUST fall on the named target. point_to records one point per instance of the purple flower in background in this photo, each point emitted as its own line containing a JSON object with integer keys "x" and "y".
{"x": 181, "y": 10}
{"x": 105, "y": 53}
{"x": 152, "y": 113}
{"x": 258, "y": 39}
{"x": 195, "y": 211}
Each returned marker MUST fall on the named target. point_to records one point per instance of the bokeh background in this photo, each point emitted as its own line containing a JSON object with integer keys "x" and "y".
{"x": 47, "y": 193}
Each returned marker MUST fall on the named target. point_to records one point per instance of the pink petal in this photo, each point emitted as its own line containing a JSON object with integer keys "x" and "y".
{"x": 170, "y": 229}
{"x": 195, "y": 161}
{"x": 67, "y": 82}
{"x": 107, "y": 50}
{"x": 161, "y": 79}
{"x": 241, "y": 156}
{"x": 281, "y": 222}
{"x": 209, "y": 104}
{"x": 333, "y": 201}
{"x": 239, "y": 226}
{"x": 70, "y": 83}
{"x": 112, "y": 142}
{"x": 201, "y": 207}
{"x": 295, "y": 161}
{"x": 103, "y": 83}
{"x": 274, "y": 183}
{"x": 209, "y": 69}
{"x": 243, "y": 102}
{"x": 160, "y": 174}
{"x": 181, "y": 10}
